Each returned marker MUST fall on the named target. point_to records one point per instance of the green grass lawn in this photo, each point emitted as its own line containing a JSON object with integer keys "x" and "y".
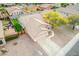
{"x": 16, "y": 24}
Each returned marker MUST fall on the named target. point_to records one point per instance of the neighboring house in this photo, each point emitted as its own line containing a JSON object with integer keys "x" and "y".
{"x": 56, "y": 4}
{"x": 14, "y": 11}
{"x": 9, "y": 4}
{"x": 3, "y": 15}
{"x": 70, "y": 10}
{"x": 46, "y": 6}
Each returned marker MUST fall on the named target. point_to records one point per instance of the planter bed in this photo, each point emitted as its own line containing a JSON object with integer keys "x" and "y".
{"x": 11, "y": 37}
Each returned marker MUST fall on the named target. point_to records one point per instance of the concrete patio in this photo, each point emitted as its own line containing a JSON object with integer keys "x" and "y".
{"x": 25, "y": 47}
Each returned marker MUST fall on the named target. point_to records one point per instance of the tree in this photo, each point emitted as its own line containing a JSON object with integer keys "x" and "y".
{"x": 54, "y": 8}
{"x": 73, "y": 20}
{"x": 64, "y": 4}
{"x": 55, "y": 19}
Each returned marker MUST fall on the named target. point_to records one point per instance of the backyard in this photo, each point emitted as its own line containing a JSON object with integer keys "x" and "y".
{"x": 63, "y": 27}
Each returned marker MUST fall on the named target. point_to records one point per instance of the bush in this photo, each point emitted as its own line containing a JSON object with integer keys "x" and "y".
{"x": 54, "y": 7}
{"x": 64, "y": 4}
{"x": 11, "y": 37}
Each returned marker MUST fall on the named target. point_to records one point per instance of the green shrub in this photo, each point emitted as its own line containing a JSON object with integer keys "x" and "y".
{"x": 54, "y": 7}
{"x": 64, "y": 4}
